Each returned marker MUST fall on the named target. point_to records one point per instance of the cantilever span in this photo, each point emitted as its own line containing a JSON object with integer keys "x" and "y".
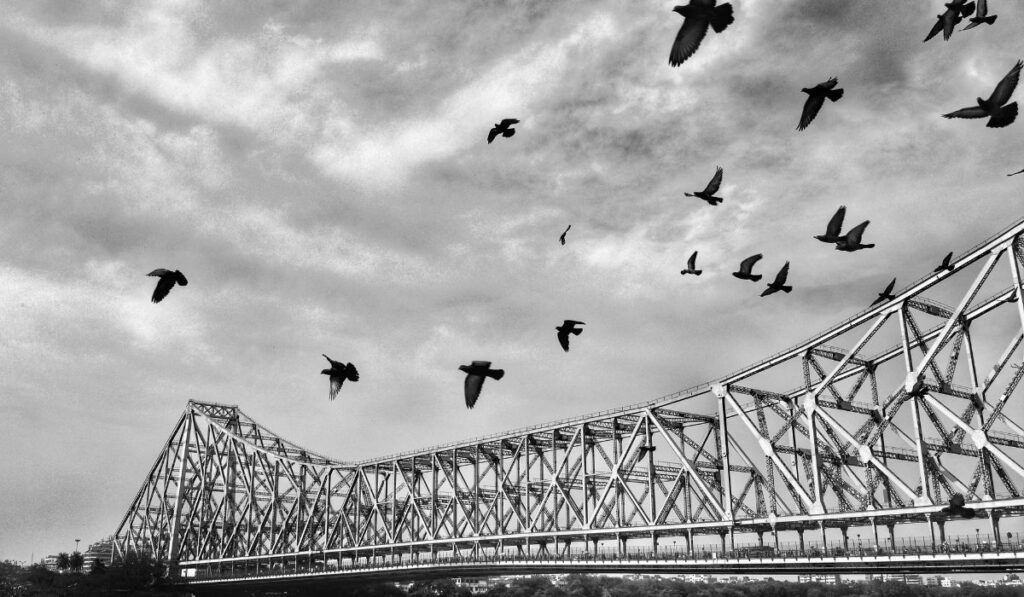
{"x": 841, "y": 440}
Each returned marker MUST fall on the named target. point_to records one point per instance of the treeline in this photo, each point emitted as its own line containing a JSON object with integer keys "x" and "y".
{"x": 134, "y": 576}
{"x": 140, "y": 576}
{"x": 604, "y": 586}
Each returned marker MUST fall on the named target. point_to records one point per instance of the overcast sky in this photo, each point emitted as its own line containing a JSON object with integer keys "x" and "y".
{"x": 320, "y": 173}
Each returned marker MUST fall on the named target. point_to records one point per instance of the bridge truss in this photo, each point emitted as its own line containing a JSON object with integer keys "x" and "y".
{"x": 876, "y": 421}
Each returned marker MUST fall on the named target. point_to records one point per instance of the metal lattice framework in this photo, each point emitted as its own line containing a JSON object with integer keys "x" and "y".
{"x": 881, "y": 418}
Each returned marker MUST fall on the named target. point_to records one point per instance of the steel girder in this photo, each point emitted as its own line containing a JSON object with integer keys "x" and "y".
{"x": 880, "y": 418}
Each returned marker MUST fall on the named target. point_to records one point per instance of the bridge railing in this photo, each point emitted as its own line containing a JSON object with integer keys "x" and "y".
{"x": 322, "y": 563}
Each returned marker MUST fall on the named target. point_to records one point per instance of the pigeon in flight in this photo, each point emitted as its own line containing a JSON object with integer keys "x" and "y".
{"x": 945, "y": 266}
{"x": 816, "y": 98}
{"x": 835, "y": 225}
{"x": 851, "y": 242}
{"x": 1018, "y": 172}
{"x": 998, "y": 114}
{"x": 956, "y": 507}
{"x": 691, "y": 266}
{"x": 956, "y": 10}
{"x": 981, "y": 16}
{"x": 167, "y": 281}
{"x": 475, "y": 374}
{"x": 779, "y": 283}
{"x": 503, "y": 128}
{"x": 568, "y": 327}
{"x": 885, "y": 295}
{"x": 697, "y": 16}
{"x": 745, "y": 266}
{"x": 338, "y": 373}
{"x": 708, "y": 194}
{"x": 561, "y": 239}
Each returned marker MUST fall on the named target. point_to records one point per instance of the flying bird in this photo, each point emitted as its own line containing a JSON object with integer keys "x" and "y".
{"x": 708, "y": 194}
{"x": 691, "y": 266}
{"x": 779, "y": 283}
{"x": 998, "y": 114}
{"x": 167, "y": 281}
{"x": 816, "y": 98}
{"x": 981, "y": 16}
{"x": 503, "y": 128}
{"x": 561, "y": 239}
{"x": 1018, "y": 172}
{"x": 475, "y": 374}
{"x": 945, "y": 266}
{"x": 956, "y": 507}
{"x": 955, "y": 12}
{"x": 697, "y": 16}
{"x": 851, "y": 241}
{"x": 568, "y": 327}
{"x": 835, "y": 225}
{"x": 885, "y": 295}
{"x": 338, "y": 373}
{"x": 745, "y": 266}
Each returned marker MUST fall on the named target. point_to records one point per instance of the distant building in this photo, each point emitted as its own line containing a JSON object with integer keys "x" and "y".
{"x": 949, "y": 582}
{"x": 827, "y": 579}
{"x": 697, "y": 578}
{"x": 102, "y": 550}
{"x": 933, "y": 581}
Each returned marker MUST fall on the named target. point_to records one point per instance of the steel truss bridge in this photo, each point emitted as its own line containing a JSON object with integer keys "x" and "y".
{"x": 839, "y": 453}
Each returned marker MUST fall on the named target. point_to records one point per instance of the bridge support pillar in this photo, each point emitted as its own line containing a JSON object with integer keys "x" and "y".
{"x": 824, "y": 542}
{"x": 846, "y": 539}
{"x": 622, "y": 543}
{"x": 721, "y": 535}
{"x": 689, "y": 542}
{"x": 654, "y": 542}
{"x": 800, "y": 535}
{"x": 775, "y": 538}
{"x": 760, "y": 538}
{"x": 931, "y": 530}
{"x": 994, "y": 519}
{"x": 892, "y": 536}
{"x": 874, "y": 531}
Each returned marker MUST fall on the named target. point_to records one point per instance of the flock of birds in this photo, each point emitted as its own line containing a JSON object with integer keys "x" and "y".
{"x": 698, "y": 17}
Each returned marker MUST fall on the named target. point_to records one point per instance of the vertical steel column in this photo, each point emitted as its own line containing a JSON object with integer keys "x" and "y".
{"x": 175, "y": 538}
{"x": 723, "y": 432}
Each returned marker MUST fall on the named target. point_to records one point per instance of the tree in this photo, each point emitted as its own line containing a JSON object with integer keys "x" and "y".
{"x": 76, "y": 561}
{"x": 63, "y": 561}
{"x": 97, "y": 567}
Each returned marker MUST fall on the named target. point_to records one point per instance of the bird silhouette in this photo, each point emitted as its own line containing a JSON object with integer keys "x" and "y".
{"x": 568, "y": 327}
{"x": 166, "y": 282}
{"x": 708, "y": 194}
{"x": 779, "y": 283}
{"x": 697, "y": 16}
{"x": 691, "y": 266}
{"x": 995, "y": 108}
{"x": 834, "y": 230}
{"x": 338, "y": 373}
{"x": 945, "y": 266}
{"x": 1017, "y": 172}
{"x": 561, "y": 239}
{"x": 503, "y": 128}
{"x": 885, "y": 295}
{"x": 851, "y": 241}
{"x": 816, "y": 98}
{"x": 956, "y": 507}
{"x": 981, "y": 16}
{"x": 955, "y": 12}
{"x": 475, "y": 374}
{"x": 745, "y": 266}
